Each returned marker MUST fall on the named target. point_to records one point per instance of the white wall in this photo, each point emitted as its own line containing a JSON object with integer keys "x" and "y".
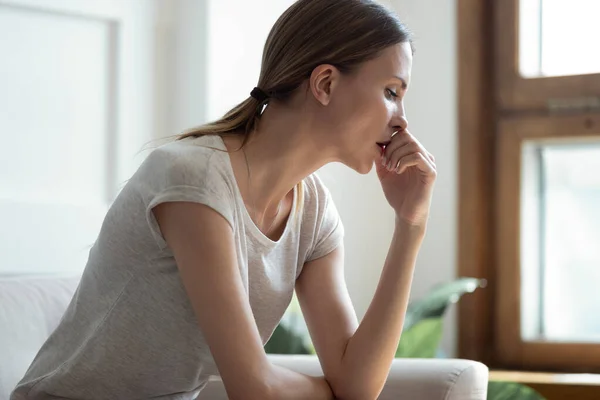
{"x": 237, "y": 31}
{"x": 73, "y": 114}
{"x": 235, "y": 34}
{"x": 180, "y": 59}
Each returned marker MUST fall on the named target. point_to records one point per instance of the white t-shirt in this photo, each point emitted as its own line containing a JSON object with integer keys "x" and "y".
{"x": 130, "y": 330}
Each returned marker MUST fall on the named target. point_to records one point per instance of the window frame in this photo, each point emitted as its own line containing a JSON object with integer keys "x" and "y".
{"x": 476, "y": 120}
{"x": 511, "y": 349}
{"x": 513, "y": 92}
{"x": 497, "y": 110}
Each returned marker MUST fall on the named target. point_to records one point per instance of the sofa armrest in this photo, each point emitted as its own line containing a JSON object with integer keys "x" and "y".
{"x": 415, "y": 379}
{"x": 436, "y": 379}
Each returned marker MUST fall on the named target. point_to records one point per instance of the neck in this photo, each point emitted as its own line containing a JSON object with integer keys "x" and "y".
{"x": 280, "y": 154}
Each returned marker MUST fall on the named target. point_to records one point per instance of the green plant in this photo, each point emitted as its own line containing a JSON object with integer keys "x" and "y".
{"x": 291, "y": 334}
{"x": 286, "y": 341}
{"x": 421, "y": 334}
{"x": 511, "y": 391}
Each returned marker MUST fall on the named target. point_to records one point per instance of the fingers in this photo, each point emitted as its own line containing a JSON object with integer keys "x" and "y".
{"x": 403, "y": 144}
{"x": 416, "y": 160}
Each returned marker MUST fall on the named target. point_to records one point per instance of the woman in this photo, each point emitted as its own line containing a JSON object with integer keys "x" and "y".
{"x": 199, "y": 255}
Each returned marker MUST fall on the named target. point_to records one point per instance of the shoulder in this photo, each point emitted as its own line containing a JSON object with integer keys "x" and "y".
{"x": 317, "y": 198}
{"x": 185, "y": 154}
{"x": 321, "y": 217}
{"x": 199, "y": 164}
{"x": 186, "y": 160}
{"x": 315, "y": 190}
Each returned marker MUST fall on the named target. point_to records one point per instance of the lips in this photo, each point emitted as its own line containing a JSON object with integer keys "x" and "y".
{"x": 383, "y": 145}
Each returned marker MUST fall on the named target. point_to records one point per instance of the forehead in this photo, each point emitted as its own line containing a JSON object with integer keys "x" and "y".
{"x": 393, "y": 61}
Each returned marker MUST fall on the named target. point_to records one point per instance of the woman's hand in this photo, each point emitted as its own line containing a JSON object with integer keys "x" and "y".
{"x": 407, "y": 173}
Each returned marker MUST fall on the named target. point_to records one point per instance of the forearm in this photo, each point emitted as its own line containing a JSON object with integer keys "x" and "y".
{"x": 369, "y": 353}
{"x": 286, "y": 384}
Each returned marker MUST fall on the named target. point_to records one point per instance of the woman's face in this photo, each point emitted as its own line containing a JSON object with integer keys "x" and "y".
{"x": 366, "y": 107}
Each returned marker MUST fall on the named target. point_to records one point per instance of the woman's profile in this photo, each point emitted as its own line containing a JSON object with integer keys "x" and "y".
{"x": 198, "y": 257}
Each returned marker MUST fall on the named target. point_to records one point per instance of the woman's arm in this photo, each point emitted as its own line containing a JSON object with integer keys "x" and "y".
{"x": 203, "y": 244}
{"x": 356, "y": 358}
{"x": 370, "y": 351}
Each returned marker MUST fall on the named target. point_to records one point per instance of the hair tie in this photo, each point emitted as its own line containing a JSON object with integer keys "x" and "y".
{"x": 259, "y": 94}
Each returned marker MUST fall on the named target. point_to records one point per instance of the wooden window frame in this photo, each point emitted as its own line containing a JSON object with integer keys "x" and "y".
{"x": 476, "y": 118}
{"x": 513, "y": 92}
{"x": 511, "y": 350}
{"x": 497, "y": 111}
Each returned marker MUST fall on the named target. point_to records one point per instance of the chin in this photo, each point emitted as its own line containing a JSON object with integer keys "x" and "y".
{"x": 364, "y": 169}
{"x": 361, "y": 165}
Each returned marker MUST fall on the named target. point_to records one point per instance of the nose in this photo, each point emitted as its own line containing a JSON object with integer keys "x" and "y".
{"x": 399, "y": 121}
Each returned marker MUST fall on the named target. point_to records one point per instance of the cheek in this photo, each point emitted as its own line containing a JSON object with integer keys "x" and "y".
{"x": 361, "y": 120}
{"x": 373, "y": 117}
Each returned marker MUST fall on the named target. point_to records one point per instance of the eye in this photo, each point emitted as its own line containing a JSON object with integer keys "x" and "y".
{"x": 391, "y": 93}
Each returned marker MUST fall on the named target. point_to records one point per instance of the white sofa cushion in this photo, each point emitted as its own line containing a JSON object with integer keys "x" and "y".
{"x": 30, "y": 310}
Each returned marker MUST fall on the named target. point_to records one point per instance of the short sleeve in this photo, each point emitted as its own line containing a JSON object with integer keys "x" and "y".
{"x": 186, "y": 175}
{"x": 330, "y": 231}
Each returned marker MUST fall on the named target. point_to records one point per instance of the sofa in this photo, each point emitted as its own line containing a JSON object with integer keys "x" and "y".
{"x": 31, "y": 307}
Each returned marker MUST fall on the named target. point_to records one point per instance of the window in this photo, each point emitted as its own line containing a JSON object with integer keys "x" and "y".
{"x": 560, "y": 237}
{"x": 529, "y": 116}
{"x": 555, "y": 37}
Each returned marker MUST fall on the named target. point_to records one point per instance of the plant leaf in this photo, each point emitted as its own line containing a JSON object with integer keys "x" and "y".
{"x": 436, "y": 302}
{"x": 421, "y": 340}
{"x": 291, "y": 334}
{"x": 285, "y": 341}
{"x": 511, "y": 391}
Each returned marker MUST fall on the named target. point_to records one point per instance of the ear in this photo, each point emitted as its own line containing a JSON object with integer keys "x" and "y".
{"x": 323, "y": 81}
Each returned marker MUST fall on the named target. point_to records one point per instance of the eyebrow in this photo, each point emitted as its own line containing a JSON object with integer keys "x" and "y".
{"x": 404, "y": 85}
